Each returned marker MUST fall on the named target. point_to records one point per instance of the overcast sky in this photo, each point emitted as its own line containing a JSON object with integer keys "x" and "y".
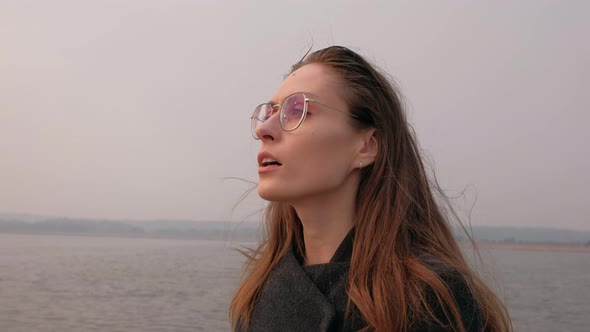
{"x": 140, "y": 109}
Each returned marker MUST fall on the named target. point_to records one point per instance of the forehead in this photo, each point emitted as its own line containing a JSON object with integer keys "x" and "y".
{"x": 313, "y": 79}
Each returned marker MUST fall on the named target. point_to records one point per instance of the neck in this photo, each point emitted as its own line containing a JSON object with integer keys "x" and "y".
{"x": 326, "y": 221}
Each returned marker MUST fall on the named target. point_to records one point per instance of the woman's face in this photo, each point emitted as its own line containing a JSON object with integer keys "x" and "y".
{"x": 319, "y": 157}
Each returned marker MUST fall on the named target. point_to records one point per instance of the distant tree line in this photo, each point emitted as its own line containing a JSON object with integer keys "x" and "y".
{"x": 524, "y": 235}
{"x": 251, "y": 232}
{"x": 107, "y": 227}
{"x": 70, "y": 226}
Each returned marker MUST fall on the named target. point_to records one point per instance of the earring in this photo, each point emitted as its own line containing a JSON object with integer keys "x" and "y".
{"x": 361, "y": 164}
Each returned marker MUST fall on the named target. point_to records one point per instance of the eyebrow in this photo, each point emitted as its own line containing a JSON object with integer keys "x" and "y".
{"x": 307, "y": 94}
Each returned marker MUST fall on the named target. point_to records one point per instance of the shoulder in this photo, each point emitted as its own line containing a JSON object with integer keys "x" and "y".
{"x": 466, "y": 303}
{"x": 462, "y": 296}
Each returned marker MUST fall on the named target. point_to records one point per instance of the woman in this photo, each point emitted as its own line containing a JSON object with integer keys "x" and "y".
{"x": 355, "y": 239}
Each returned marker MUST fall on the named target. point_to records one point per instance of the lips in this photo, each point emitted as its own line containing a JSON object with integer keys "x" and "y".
{"x": 266, "y": 159}
{"x": 267, "y": 163}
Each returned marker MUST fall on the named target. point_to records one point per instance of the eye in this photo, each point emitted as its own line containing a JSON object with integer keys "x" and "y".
{"x": 295, "y": 112}
{"x": 294, "y": 106}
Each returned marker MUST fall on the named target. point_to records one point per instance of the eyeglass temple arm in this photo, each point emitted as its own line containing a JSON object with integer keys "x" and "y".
{"x": 328, "y": 106}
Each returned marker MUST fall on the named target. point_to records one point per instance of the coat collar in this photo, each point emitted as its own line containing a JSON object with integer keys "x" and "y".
{"x": 289, "y": 300}
{"x": 304, "y": 298}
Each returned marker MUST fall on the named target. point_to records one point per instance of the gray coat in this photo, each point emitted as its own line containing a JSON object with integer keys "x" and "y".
{"x": 313, "y": 298}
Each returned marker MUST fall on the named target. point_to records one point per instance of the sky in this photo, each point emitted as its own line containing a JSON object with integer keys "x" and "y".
{"x": 140, "y": 109}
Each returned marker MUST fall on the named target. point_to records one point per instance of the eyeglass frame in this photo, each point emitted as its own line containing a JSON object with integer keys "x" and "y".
{"x": 306, "y": 101}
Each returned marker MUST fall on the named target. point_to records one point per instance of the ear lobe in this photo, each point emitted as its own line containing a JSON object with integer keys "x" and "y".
{"x": 368, "y": 152}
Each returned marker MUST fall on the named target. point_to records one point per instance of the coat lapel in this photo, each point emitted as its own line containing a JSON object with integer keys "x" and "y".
{"x": 290, "y": 301}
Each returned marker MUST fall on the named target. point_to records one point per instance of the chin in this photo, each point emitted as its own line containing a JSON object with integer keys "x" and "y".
{"x": 268, "y": 195}
{"x": 272, "y": 194}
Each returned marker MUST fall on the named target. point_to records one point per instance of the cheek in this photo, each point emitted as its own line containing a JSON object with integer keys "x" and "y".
{"x": 326, "y": 157}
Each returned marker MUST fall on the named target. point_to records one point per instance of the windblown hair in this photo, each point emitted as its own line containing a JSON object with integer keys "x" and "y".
{"x": 399, "y": 221}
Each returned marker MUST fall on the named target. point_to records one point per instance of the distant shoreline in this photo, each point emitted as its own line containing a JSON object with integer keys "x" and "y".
{"x": 534, "y": 247}
{"x": 562, "y": 247}
{"x": 149, "y": 236}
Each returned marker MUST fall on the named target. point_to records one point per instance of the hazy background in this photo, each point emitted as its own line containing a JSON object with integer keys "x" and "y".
{"x": 139, "y": 109}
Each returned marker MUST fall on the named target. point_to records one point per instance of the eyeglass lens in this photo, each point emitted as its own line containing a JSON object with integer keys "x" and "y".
{"x": 292, "y": 112}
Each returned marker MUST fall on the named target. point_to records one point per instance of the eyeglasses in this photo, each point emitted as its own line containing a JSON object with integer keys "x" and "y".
{"x": 292, "y": 112}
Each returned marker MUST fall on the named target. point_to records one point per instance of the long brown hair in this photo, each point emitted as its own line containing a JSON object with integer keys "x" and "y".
{"x": 399, "y": 221}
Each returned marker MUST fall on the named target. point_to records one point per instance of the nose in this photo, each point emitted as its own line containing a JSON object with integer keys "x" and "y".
{"x": 269, "y": 130}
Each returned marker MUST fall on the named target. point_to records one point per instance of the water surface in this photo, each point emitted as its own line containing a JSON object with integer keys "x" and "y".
{"x": 78, "y": 283}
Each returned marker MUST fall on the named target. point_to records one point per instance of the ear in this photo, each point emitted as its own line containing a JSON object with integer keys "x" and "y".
{"x": 369, "y": 147}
